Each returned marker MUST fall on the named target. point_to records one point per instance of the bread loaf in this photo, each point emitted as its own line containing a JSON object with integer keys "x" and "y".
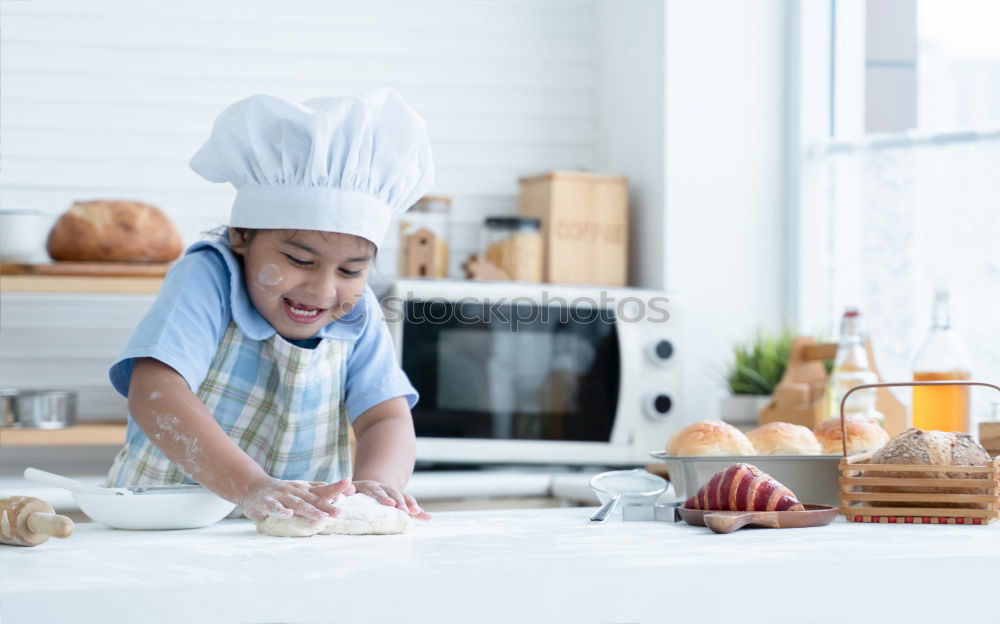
{"x": 864, "y": 435}
{"x": 743, "y": 487}
{"x": 781, "y": 438}
{"x": 114, "y": 231}
{"x": 931, "y": 448}
{"x": 710, "y": 437}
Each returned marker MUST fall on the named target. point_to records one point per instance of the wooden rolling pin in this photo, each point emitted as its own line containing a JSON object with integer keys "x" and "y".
{"x": 27, "y": 521}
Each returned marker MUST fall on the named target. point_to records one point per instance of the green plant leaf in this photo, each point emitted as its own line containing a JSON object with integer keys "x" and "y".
{"x": 758, "y": 366}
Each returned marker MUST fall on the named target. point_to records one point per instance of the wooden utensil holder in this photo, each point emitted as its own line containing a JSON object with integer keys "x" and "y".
{"x": 798, "y": 398}
{"x": 965, "y": 499}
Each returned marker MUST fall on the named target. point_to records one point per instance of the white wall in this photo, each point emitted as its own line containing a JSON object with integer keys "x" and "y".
{"x": 632, "y": 124}
{"x": 725, "y": 61}
{"x": 111, "y": 98}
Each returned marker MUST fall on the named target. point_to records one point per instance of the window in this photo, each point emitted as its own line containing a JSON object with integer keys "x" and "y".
{"x": 958, "y": 73}
{"x": 887, "y": 217}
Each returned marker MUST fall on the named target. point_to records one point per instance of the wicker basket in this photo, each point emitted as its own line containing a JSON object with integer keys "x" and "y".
{"x": 973, "y": 499}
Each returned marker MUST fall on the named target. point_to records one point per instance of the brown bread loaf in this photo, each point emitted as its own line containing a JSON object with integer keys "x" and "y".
{"x": 932, "y": 448}
{"x": 743, "y": 487}
{"x": 114, "y": 231}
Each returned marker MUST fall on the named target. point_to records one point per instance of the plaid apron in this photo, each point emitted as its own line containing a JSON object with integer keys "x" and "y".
{"x": 282, "y": 404}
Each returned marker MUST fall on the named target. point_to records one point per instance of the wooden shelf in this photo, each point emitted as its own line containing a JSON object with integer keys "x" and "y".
{"x": 89, "y": 434}
{"x": 73, "y": 284}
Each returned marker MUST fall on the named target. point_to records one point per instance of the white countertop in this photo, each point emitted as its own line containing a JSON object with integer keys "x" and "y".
{"x": 545, "y": 565}
{"x": 425, "y": 485}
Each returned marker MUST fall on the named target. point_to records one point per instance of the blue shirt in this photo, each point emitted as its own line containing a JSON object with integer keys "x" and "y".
{"x": 204, "y": 291}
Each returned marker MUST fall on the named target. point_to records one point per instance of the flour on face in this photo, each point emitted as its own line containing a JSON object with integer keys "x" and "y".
{"x": 269, "y": 275}
{"x": 360, "y": 514}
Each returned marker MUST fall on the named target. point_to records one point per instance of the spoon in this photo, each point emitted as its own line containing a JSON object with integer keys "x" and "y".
{"x": 601, "y": 515}
{"x": 48, "y": 478}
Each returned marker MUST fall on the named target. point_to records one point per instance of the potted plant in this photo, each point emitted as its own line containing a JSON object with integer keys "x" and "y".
{"x": 756, "y": 369}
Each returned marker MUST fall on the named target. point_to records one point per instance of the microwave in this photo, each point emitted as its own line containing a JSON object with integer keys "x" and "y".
{"x": 519, "y": 373}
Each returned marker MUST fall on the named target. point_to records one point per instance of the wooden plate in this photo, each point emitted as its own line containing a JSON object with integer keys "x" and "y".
{"x": 729, "y": 521}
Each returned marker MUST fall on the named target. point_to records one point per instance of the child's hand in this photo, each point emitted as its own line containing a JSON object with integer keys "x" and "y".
{"x": 276, "y": 497}
{"x": 388, "y": 495}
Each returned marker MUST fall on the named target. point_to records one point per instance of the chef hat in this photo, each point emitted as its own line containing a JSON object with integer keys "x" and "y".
{"x": 341, "y": 164}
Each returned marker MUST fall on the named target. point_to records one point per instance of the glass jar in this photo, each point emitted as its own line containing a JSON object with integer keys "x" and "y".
{"x": 423, "y": 238}
{"x": 514, "y": 245}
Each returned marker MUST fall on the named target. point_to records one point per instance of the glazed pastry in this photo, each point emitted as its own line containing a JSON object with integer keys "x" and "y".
{"x": 743, "y": 487}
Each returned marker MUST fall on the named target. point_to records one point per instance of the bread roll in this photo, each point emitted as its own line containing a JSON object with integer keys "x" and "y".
{"x": 114, "y": 231}
{"x": 864, "y": 435}
{"x": 933, "y": 448}
{"x": 780, "y": 438}
{"x": 710, "y": 437}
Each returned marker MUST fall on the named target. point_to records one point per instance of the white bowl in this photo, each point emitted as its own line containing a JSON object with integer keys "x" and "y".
{"x": 189, "y": 509}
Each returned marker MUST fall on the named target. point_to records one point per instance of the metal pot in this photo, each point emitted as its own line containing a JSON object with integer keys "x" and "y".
{"x": 37, "y": 409}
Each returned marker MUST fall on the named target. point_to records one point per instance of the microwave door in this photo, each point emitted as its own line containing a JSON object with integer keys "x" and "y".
{"x": 550, "y": 378}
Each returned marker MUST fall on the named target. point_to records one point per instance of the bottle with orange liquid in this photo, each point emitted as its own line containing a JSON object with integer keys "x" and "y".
{"x": 941, "y": 358}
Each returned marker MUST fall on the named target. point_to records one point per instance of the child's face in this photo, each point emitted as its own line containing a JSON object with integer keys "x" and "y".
{"x": 300, "y": 280}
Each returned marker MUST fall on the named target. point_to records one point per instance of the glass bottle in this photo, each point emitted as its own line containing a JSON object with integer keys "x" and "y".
{"x": 941, "y": 358}
{"x": 851, "y": 368}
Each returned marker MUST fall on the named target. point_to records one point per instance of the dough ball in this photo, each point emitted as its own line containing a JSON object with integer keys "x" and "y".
{"x": 295, "y": 526}
{"x": 360, "y": 514}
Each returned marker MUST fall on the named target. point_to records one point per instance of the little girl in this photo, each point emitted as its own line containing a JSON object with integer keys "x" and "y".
{"x": 263, "y": 347}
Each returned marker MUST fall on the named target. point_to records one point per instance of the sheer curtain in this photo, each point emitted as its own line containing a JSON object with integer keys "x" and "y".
{"x": 889, "y": 220}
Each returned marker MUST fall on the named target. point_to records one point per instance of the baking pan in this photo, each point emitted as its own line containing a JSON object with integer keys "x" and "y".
{"x": 37, "y": 409}
{"x": 813, "y": 478}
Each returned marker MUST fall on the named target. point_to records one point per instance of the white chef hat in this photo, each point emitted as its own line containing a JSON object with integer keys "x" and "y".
{"x": 340, "y": 164}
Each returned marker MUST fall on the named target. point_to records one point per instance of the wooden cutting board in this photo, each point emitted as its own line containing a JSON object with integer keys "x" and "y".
{"x": 88, "y": 269}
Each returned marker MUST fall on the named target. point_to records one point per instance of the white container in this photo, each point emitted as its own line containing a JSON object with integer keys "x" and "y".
{"x": 20, "y": 235}
{"x": 156, "y": 510}
{"x": 813, "y": 478}
{"x": 742, "y": 409}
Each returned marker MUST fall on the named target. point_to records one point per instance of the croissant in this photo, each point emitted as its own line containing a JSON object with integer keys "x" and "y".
{"x": 743, "y": 487}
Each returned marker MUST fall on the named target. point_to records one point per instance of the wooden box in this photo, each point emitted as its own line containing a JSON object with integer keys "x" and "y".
{"x": 869, "y": 494}
{"x": 989, "y": 437}
{"x": 584, "y": 225}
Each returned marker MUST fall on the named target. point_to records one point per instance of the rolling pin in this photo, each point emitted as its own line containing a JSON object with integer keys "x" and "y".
{"x": 27, "y": 521}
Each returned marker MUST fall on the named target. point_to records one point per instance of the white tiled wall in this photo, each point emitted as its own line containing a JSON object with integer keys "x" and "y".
{"x": 111, "y": 98}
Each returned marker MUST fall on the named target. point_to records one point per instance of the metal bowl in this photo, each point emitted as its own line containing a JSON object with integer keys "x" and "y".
{"x": 37, "y": 409}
